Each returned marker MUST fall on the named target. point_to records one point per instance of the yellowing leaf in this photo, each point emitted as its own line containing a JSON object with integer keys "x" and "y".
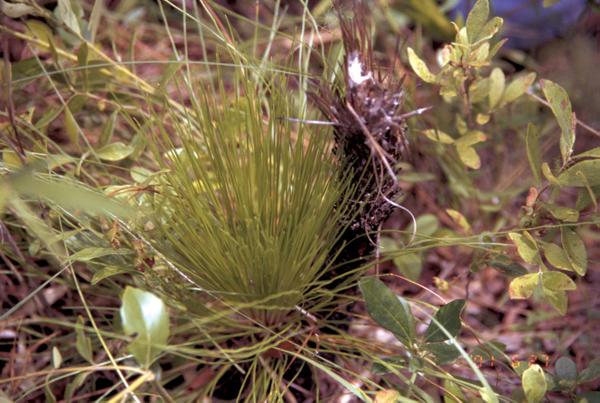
{"x": 522, "y": 287}
{"x": 71, "y": 126}
{"x": 459, "y": 219}
{"x": 526, "y": 246}
{"x": 420, "y": 68}
{"x": 560, "y": 104}
{"x": 438, "y": 136}
{"x": 534, "y": 383}
{"x": 469, "y": 156}
{"x": 497, "y": 83}
{"x": 517, "y": 87}
{"x": 557, "y": 281}
{"x": 387, "y": 396}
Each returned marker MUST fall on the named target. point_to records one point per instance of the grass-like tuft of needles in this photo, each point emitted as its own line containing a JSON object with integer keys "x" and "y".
{"x": 251, "y": 205}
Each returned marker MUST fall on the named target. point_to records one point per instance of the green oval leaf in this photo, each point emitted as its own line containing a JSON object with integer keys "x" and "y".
{"x": 115, "y": 152}
{"x": 582, "y": 174}
{"x": 517, "y": 87}
{"x": 145, "y": 316}
{"x": 388, "y": 310}
{"x": 574, "y": 249}
{"x": 420, "y": 68}
{"x": 565, "y": 369}
{"x": 448, "y": 318}
{"x": 534, "y": 383}
{"x": 560, "y": 104}
{"x": 476, "y": 19}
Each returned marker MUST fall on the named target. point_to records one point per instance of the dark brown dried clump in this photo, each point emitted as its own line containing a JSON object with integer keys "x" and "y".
{"x": 370, "y": 130}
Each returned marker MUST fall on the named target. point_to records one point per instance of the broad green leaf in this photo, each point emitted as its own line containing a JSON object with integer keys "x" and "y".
{"x": 565, "y": 369}
{"x": 83, "y": 344}
{"x": 469, "y": 156}
{"x": 591, "y": 373}
{"x": 144, "y": 316}
{"x": 448, "y": 317}
{"x": 574, "y": 249}
{"x": 438, "y": 136}
{"x": 87, "y": 254}
{"x": 476, "y": 19}
{"x": 522, "y": 287}
{"x": 409, "y": 265}
{"x": 108, "y": 271}
{"x": 526, "y": 246}
{"x": 420, "y": 68}
{"x": 534, "y": 153}
{"x": 497, "y": 83}
{"x": 565, "y": 214}
{"x": 558, "y": 299}
{"x": 581, "y": 174}
{"x": 427, "y": 225}
{"x": 64, "y": 12}
{"x": 534, "y": 383}
{"x": 115, "y": 152}
{"x": 507, "y": 267}
{"x": 517, "y": 87}
{"x": 557, "y": 257}
{"x": 560, "y": 104}
{"x": 459, "y": 219}
{"x": 557, "y": 281}
{"x": 444, "y": 353}
{"x": 67, "y": 195}
{"x": 388, "y": 310}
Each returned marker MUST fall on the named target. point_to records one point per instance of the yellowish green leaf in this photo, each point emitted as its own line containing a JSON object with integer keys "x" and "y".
{"x": 420, "y": 68}
{"x": 526, "y": 246}
{"x": 476, "y": 19}
{"x": 438, "y": 136}
{"x": 459, "y": 219}
{"x": 581, "y": 174}
{"x": 534, "y": 383}
{"x": 517, "y": 87}
{"x": 574, "y": 249}
{"x": 497, "y": 83}
{"x": 534, "y": 153}
{"x": 522, "y": 287}
{"x": 115, "y": 151}
{"x": 560, "y": 104}
{"x": 556, "y": 256}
